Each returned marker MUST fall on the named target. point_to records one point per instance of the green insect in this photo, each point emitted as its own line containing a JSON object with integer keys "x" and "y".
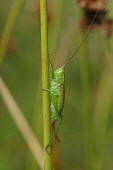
{"x": 57, "y": 94}
{"x": 57, "y": 91}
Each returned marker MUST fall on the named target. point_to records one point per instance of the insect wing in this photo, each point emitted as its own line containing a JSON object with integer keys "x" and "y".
{"x": 59, "y": 76}
{"x": 54, "y": 94}
{"x": 54, "y": 100}
{"x": 61, "y": 99}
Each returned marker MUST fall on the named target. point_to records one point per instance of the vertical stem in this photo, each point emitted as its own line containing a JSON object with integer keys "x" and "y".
{"x": 45, "y": 83}
{"x": 103, "y": 106}
{"x": 87, "y": 121}
{"x": 15, "y": 9}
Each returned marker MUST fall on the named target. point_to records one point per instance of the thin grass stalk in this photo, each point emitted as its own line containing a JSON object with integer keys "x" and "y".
{"x": 22, "y": 124}
{"x": 103, "y": 106}
{"x": 86, "y": 109}
{"x": 11, "y": 20}
{"x": 102, "y": 111}
{"x": 37, "y": 127}
{"x": 45, "y": 84}
{"x": 54, "y": 38}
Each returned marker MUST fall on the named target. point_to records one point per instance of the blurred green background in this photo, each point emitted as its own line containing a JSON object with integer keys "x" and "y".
{"x": 86, "y": 132}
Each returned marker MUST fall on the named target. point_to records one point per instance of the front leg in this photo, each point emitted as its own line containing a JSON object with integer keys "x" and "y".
{"x": 50, "y": 91}
{"x": 47, "y": 90}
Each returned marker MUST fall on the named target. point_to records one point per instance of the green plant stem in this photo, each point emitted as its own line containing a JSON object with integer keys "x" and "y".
{"x": 102, "y": 111}
{"x": 103, "y": 106}
{"x": 53, "y": 39}
{"x": 31, "y": 164}
{"x": 15, "y": 9}
{"x": 87, "y": 120}
{"x": 45, "y": 84}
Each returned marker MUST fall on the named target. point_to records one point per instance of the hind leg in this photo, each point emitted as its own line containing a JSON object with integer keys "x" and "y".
{"x": 54, "y": 131}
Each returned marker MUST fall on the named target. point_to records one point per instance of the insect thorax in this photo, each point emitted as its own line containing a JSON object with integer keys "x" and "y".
{"x": 59, "y": 75}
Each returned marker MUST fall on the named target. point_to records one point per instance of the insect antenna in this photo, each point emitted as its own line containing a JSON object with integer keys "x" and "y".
{"x": 84, "y": 39}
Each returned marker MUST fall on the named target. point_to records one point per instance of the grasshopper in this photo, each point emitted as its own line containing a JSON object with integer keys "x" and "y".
{"x": 57, "y": 94}
{"x": 57, "y": 91}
